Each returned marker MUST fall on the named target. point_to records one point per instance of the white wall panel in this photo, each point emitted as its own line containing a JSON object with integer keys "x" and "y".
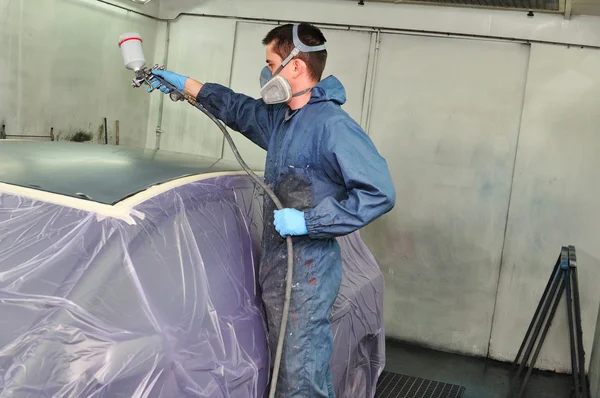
{"x": 554, "y": 201}
{"x": 61, "y": 67}
{"x": 248, "y": 60}
{"x": 446, "y": 116}
{"x": 348, "y": 59}
{"x": 201, "y": 48}
{"x": 348, "y": 56}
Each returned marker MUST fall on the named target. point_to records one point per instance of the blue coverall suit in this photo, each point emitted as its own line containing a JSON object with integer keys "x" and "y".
{"x": 321, "y": 162}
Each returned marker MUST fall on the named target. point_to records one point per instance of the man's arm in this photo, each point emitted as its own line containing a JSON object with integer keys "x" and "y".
{"x": 192, "y": 87}
{"x": 253, "y": 118}
{"x": 352, "y": 158}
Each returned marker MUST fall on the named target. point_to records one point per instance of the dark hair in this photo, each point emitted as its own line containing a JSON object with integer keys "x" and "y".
{"x": 310, "y": 35}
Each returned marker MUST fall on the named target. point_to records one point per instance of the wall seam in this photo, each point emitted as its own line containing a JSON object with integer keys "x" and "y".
{"x": 512, "y": 182}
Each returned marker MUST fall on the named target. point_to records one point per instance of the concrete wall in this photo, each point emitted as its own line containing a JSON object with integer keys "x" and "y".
{"x": 467, "y": 252}
{"x": 61, "y": 68}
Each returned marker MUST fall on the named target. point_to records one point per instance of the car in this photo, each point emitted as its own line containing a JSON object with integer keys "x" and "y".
{"x": 133, "y": 273}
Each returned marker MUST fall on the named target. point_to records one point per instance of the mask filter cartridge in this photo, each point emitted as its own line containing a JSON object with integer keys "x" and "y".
{"x": 276, "y": 91}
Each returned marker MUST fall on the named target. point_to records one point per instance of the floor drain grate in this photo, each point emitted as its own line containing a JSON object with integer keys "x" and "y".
{"x": 393, "y": 385}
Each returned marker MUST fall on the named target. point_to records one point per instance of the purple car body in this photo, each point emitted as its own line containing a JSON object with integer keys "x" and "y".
{"x": 132, "y": 273}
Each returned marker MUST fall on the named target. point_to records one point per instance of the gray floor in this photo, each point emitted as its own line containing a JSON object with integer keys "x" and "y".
{"x": 482, "y": 378}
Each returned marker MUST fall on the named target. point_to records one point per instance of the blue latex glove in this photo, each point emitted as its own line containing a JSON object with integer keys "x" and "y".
{"x": 290, "y": 222}
{"x": 173, "y": 78}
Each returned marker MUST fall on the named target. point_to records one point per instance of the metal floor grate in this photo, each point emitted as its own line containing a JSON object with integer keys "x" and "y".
{"x": 392, "y": 385}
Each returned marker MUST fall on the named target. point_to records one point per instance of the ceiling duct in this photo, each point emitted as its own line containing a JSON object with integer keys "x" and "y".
{"x": 554, "y": 6}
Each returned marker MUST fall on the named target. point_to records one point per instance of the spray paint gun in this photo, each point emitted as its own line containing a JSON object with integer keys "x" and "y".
{"x": 133, "y": 56}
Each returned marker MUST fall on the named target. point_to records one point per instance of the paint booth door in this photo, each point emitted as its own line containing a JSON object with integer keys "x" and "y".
{"x": 348, "y": 59}
{"x": 446, "y": 115}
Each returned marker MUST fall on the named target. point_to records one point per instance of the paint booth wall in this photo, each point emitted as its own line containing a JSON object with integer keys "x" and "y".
{"x": 61, "y": 68}
{"x": 493, "y": 156}
{"x": 492, "y": 148}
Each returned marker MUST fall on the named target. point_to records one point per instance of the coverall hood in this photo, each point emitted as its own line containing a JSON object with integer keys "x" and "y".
{"x": 328, "y": 89}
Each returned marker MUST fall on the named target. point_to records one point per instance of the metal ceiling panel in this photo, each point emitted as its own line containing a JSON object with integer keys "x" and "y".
{"x": 544, "y": 5}
{"x": 534, "y": 5}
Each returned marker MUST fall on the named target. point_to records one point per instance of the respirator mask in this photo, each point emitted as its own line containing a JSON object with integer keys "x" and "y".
{"x": 275, "y": 89}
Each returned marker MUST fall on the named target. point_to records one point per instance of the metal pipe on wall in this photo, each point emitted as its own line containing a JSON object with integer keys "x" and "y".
{"x": 372, "y": 83}
{"x": 161, "y": 105}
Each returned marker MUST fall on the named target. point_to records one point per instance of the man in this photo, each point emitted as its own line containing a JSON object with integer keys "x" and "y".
{"x": 329, "y": 177}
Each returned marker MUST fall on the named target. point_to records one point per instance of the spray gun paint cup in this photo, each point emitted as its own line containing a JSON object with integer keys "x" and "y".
{"x": 131, "y": 49}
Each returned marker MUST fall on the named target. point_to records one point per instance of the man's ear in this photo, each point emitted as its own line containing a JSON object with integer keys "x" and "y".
{"x": 300, "y": 67}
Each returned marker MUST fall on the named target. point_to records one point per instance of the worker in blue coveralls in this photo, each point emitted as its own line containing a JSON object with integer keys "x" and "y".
{"x": 329, "y": 177}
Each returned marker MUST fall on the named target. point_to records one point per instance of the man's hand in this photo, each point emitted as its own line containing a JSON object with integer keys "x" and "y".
{"x": 173, "y": 78}
{"x": 290, "y": 222}
{"x": 184, "y": 83}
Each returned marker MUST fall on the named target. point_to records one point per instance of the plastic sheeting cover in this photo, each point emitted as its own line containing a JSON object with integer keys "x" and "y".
{"x": 169, "y": 307}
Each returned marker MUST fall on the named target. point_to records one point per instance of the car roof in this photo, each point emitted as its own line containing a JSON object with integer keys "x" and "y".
{"x": 101, "y": 173}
